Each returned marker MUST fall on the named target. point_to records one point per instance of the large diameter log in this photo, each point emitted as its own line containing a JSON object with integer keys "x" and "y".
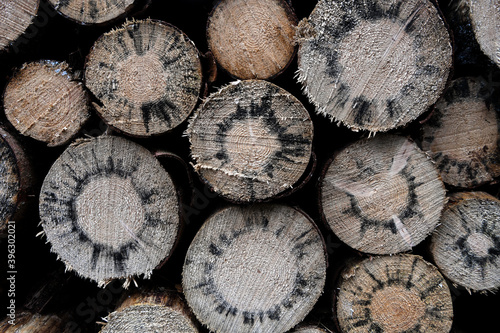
{"x": 393, "y": 294}
{"x": 151, "y": 311}
{"x": 466, "y": 245}
{"x": 252, "y": 39}
{"x": 251, "y": 140}
{"x": 485, "y": 17}
{"x": 92, "y": 11}
{"x": 109, "y": 209}
{"x": 147, "y": 75}
{"x": 254, "y": 269}
{"x": 45, "y": 102}
{"x": 462, "y": 135}
{"x": 15, "y": 18}
{"x": 374, "y": 65}
{"x": 382, "y": 195}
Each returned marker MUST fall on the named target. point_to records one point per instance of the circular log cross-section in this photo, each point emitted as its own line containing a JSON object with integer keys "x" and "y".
{"x": 156, "y": 311}
{"x": 462, "y": 134}
{"x": 374, "y": 65}
{"x": 394, "y": 294}
{"x": 466, "y": 245}
{"x": 252, "y": 39}
{"x": 382, "y": 195}
{"x": 251, "y": 140}
{"x": 147, "y": 74}
{"x": 15, "y": 18}
{"x": 92, "y": 11}
{"x": 44, "y": 102}
{"x": 485, "y": 17}
{"x": 254, "y": 269}
{"x": 109, "y": 209}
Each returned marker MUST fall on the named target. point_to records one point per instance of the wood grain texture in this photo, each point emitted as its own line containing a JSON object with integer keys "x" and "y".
{"x": 373, "y": 65}
{"x": 92, "y": 11}
{"x": 15, "y": 18}
{"x": 485, "y": 17}
{"x": 27, "y": 322}
{"x": 466, "y": 245}
{"x": 382, "y": 195}
{"x": 109, "y": 209}
{"x": 462, "y": 136}
{"x": 252, "y": 39}
{"x": 393, "y": 294}
{"x": 251, "y": 140}
{"x": 308, "y": 329}
{"x": 147, "y": 75}
{"x": 44, "y": 101}
{"x": 254, "y": 269}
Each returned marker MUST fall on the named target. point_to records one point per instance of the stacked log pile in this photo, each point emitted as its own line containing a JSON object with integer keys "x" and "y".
{"x": 250, "y": 166}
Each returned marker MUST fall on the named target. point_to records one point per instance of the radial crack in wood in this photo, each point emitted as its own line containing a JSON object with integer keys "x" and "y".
{"x": 254, "y": 269}
{"x": 147, "y": 74}
{"x": 251, "y": 140}
{"x": 393, "y": 294}
{"x": 252, "y": 39}
{"x": 382, "y": 195}
{"x": 92, "y": 11}
{"x": 44, "y": 101}
{"x": 15, "y": 18}
{"x": 374, "y": 65}
{"x": 462, "y": 135}
{"x": 466, "y": 245}
{"x": 109, "y": 209}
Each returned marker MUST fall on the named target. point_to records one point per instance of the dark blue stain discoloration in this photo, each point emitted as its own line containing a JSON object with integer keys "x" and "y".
{"x": 135, "y": 34}
{"x": 363, "y": 110}
{"x": 157, "y": 110}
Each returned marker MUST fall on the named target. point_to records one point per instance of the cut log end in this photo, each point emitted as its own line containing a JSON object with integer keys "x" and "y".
{"x": 44, "y": 102}
{"x": 259, "y": 268}
{"x": 382, "y": 195}
{"x": 252, "y": 39}
{"x": 251, "y": 140}
{"x": 400, "y": 293}
{"x": 109, "y": 209}
{"x": 463, "y": 133}
{"x": 92, "y": 11}
{"x": 15, "y": 18}
{"x": 147, "y": 74}
{"x": 374, "y": 66}
{"x": 308, "y": 329}
{"x": 10, "y": 184}
{"x": 466, "y": 245}
{"x": 485, "y": 17}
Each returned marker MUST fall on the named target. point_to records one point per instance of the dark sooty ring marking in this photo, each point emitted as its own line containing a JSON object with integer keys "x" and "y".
{"x": 273, "y": 313}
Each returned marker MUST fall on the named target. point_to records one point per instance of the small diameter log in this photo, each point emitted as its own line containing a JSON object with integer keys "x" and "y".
{"x": 251, "y": 140}
{"x": 393, "y": 294}
{"x": 466, "y": 245}
{"x": 155, "y": 311}
{"x": 16, "y": 180}
{"x": 252, "y": 39}
{"x": 92, "y": 11}
{"x": 462, "y": 135}
{"x": 382, "y": 195}
{"x": 254, "y": 269}
{"x": 109, "y": 209}
{"x": 15, "y": 18}
{"x": 374, "y": 65}
{"x": 147, "y": 74}
{"x": 26, "y": 322}
{"x": 45, "y": 102}
{"x": 485, "y": 18}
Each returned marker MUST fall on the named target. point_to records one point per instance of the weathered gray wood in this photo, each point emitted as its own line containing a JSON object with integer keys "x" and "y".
{"x": 92, "y": 11}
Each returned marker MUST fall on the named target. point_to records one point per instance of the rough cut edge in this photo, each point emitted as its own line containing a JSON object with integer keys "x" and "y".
{"x": 7, "y": 47}
{"x": 98, "y": 23}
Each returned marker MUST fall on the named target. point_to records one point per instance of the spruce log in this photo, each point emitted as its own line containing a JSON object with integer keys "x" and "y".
{"x": 147, "y": 74}
{"x": 15, "y": 18}
{"x": 153, "y": 311}
{"x": 254, "y": 269}
{"x": 251, "y": 140}
{"x": 44, "y": 101}
{"x": 401, "y": 293}
{"x": 382, "y": 195}
{"x": 92, "y": 11}
{"x": 109, "y": 209}
{"x": 466, "y": 245}
{"x": 374, "y": 65}
{"x": 485, "y": 18}
{"x": 16, "y": 180}
{"x": 252, "y": 39}
{"x": 462, "y": 136}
